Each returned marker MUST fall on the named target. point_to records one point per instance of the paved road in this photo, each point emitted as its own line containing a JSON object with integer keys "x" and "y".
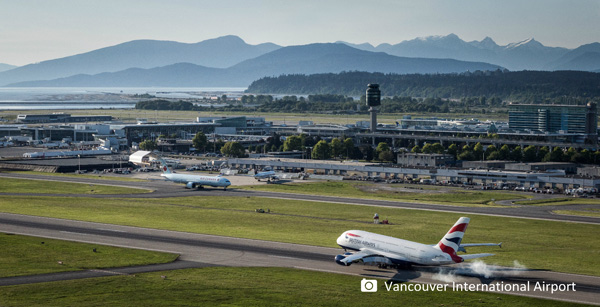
{"x": 198, "y": 250}
{"x": 168, "y": 189}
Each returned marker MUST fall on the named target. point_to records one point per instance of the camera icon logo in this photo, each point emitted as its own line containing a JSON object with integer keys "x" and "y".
{"x": 368, "y": 285}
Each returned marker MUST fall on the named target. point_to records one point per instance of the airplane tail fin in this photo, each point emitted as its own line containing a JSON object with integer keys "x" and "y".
{"x": 165, "y": 167}
{"x": 450, "y": 243}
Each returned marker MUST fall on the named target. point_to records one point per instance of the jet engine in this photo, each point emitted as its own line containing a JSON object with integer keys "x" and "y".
{"x": 339, "y": 258}
{"x": 190, "y": 185}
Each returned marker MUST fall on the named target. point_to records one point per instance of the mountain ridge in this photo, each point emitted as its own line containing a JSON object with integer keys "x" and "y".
{"x": 528, "y": 54}
{"x": 226, "y": 54}
{"x": 303, "y": 59}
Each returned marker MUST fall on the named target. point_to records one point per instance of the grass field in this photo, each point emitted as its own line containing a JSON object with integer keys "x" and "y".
{"x": 320, "y": 224}
{"x": 11, "y": 185}
{"x": 90, "y": 176}
{"x": 559, "y": 201}
{"x": 412, "y": 193}
{"x": 24, "y": 255}
{"x": 593, "y": 212}
{"x": 241, "y": 287}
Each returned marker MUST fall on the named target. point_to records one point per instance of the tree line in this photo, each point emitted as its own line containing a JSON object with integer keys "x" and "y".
{"x": 564, "y": 87}
{"x": 345, "y": 148}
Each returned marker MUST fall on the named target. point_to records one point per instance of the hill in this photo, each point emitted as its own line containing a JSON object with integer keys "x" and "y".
{"x": 306, "y": 59}
{"x": 5, "y": 67}
{"x": 219, "y": 52}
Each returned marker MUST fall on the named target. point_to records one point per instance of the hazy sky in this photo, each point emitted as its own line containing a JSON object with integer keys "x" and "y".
{"x": 37, "y": 30}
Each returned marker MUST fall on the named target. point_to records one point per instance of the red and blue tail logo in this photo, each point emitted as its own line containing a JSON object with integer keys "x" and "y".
{"x": 451, "y": 241}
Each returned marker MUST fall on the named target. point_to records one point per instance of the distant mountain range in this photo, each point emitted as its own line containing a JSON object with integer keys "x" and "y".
{"x": 525, "y": 55}
{"x": 5, "y": 67}
{"x": 306, "y": 59}
{"x": 229, "y": 61}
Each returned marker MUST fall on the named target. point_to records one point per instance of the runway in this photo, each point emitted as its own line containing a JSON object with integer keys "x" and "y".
{"x": 162, "y": 189}
{"x": 198, "y": 250}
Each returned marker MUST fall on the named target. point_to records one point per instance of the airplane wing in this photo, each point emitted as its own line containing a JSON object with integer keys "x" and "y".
{"x": 358, "y": 255}
{"x": 461, "y": 248}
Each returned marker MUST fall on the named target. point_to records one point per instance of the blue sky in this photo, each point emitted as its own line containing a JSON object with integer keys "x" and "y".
{"x": 37, "y": 30}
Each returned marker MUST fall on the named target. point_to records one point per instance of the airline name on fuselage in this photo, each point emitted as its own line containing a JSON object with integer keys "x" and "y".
{"x": 363, "y": 242}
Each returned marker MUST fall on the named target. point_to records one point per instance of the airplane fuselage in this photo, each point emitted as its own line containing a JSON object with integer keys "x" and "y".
{"x": 193, "y": 181}
{"x": 392, "y": 251}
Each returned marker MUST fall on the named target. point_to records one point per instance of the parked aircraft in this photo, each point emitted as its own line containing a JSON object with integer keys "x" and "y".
{"x": 269, "y": 175}
{"x": 194, "y": 181}
{"x": 384, "y": 251}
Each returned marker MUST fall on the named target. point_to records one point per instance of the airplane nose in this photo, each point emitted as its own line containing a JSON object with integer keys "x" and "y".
{"x": 340, "y": 240}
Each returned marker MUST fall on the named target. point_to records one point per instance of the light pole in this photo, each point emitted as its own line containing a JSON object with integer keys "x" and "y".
{"x": 79, "y": 158}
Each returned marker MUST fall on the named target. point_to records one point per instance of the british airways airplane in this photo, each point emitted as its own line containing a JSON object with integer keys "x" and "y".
{"x": 375, "y": 249}
{"x": 194, "y": 181}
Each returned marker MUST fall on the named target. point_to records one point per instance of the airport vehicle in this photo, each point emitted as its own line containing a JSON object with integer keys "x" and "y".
{"x": 269, "y": 175}
{"x": 194, "y": 181}
{"x": 375, "y": 249}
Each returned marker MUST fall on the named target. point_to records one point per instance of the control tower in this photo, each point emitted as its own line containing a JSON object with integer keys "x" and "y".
{"x": 373, "y": 100}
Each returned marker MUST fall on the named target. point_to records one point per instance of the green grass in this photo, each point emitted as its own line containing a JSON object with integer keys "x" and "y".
{"x": 90, "y": 176}
{"x": 12, "y": 185}
{"x": 592, "y": 212}
{"x": 558, "y": 201}
{"x": 241, "y": 287}
{"x": 445, "y": 195}
{"x": 320, "y": 224}
{"x": 24, "y": 255}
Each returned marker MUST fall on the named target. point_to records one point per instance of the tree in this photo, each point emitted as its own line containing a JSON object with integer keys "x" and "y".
{"x": 200, "y": 141}
{"x": 293, "y": 142}
{"x": 529, "y": 154}
{"x": 337, "y": 148}
{"x": 494, "y": 155}
{"x": 478, "y": 151}
{"x": 488, "y": 153}
{"x": 437, "y": 148}
{"x": 466, "y": 155}
{"x": 348, "y": 147}
{"x": 504, "y": 152}
{"x": 381, "y": 147}
{"x": 568, "y": 156}
{"x": 321, "y": 151}
{"x": 148, "y": 145}
{"x": 453, "y": 150}
{"x": 542, "y": 152}
{"x": 387, "y": 156}
{"x": 516, "y": 154}
{"x": 555, "y": 156}
{"x": 233, "y": 149}
{"x": 416, "y": 149}
{"x": 427, "y": 149}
